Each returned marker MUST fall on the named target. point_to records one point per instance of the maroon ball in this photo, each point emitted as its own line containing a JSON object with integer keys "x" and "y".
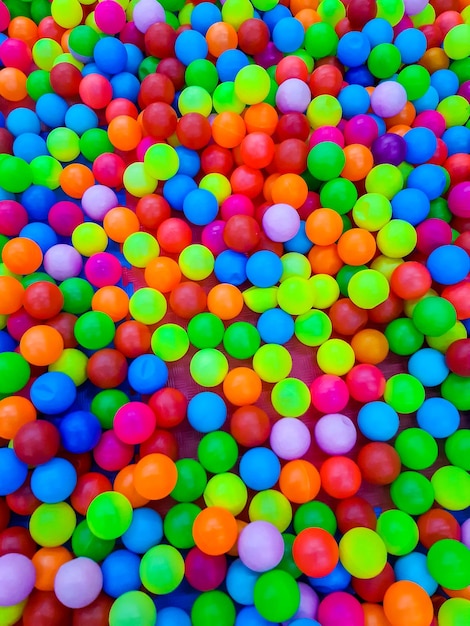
{"x": 36, "y": 442}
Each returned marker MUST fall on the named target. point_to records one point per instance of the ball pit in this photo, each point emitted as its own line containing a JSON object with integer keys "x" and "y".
{"x": 234, "y": 312}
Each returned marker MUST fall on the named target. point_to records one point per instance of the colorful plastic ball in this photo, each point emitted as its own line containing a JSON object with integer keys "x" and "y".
{"x": 290, "y": 438}
{"x": 407, "y": 598}
{"x": 447, "y": 562}
{"x": 329, "y": 393}
{"x": 162, "y": 569}
{"x": 217, "y": 452}
{"x": 276, "y": 595}
{"x": 340, "y": 606}
{"x": 448, "y": 264}
{"x": 456, "y": 446}
{"x": 242, "y": 386}
{"x": 120, "y": 573}
{"x": 78, "y": 582}
{"x": 215, "y": 603}
{"x": 147, "y": 469}
{"x": 241, "y": 340}
{"x": 191, "y": 482}
{"x": 259, "y": 469}
{"x": 450, "y": 487}
{"x": 230, "y": 267}
{"x": 340, "y": 476}
{"x": 315, "y": 552}
{"x": 362, "y": 552}
{"x": 226, "y": 490}
{"x": 412, "y": 492}
{"x": 260, "y": 546}
{"x": 18, "y": 577}
{"x": 206, "y": 412}
{"x": 109, "y": 515}
{"x": 290, "y": 397}
{"x": 130, "y": 605}
{"x": 404, "y": 393}
{"x": 399, "y": 532}
{"x": 264, "y": 268}
{"x": 208, "y": 367}
{"x": 281, "y": 222}
{"x": 171, "y": 615}
{"x": 275, "y": 326}
{"x": 368, "y": 288}
{"x": 205, "y": 330}
{"x": 221, "y": 541}
{"x": 335, "y": 433}
{"x": 54, "y": 481}
{"x": 454, "y": 610}
{"x": 204, "y": 572}
{"x": 53, "y": 393}
{"x": 335, "y": 356}
{"x": 438, "y": 417}
{"x": 413, "y": 567}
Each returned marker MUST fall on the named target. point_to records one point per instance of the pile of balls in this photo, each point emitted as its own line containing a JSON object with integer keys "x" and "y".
{"x": 234, "y": 313}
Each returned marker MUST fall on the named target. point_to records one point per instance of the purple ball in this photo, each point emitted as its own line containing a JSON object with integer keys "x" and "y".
{"x": 335, "y": 433}
{"x": 281, "y": 222}
{"x": 62, "y": 261}
{"x": 98, "y": 200}
{"x": 290, "y": 438}
{"x": 269, "y": 57}
{"x": 308, "y": 607}
{"x": 103, "y": 269}
{"x": 146, "y": 13}
{"x": 465, "y": 530}
{"x": 293, "y": 96}
{"x": 388, "y": 99}
{"x": 389, "y": 148}
{"x": 78, "y": 582}
{"x": 340, "y": 607}
{"x": 17, "y": 578}
{"x": 260, "y": 546}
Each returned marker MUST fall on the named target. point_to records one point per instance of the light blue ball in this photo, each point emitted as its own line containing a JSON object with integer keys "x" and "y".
{"x": 53, "y": 393}
{"x": 438, "y": 417}
{"x": 249, "y": 616}
{"x": 13, "y": 472}
{"x": 145, "y": 531}
{"x": 264, "y": 269}
{"x": 230, "y": 267}
{"x": 53, "y": 481}
{"x": 260, "y": 468}
{"x": 207, "y": 412}
{"x": 413, "y": 567}
{"x": 240, "y": 581}
{"x": 147, "y": 373}
{"x": 173, "y": 616}
{"x": 428, "y": 366}
{"x": 120, "y": 571}
{"x": 275, "y": 326}
{"x": 378, "y": 421}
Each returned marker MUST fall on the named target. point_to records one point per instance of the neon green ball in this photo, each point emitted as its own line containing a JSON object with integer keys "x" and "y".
{"x": 313, "y": 328}
{"x": 140, "y": 248}
{"x": 73, "y": 363}
{"x": 272, "y": 363}
{"x": 133, "y": 606}
{"x": 362, "y": 552}
{"x": 271, "y": 506}
{"x": 89, "y": 238}
{"x": 384, "y": 179}
{"x": 372, "y": 211}
{"x": 162, "y": 569}
{"x": 109, "y": 515}
{"x": 208, "y": 367}
{"x": 195, "y": 100}
{"x": 196, "y": 262}
{"x": 290, "y": 397}
{"x": 404, "y": 393}
{"x": 295, "y": 295}
{"x": 228, "y": 491}
{"x": 52, "y": 525}
{"x": 368, "y": 288}
{"x": 170, "y": 342}
{"x": 397, "y": 239}
{"x": 148, "y": 306}
{"x": 161, "y": 161}
{"x": 451, "y": 488}
{"x": 138, "y": 181}
{"x": 335, "y": 356}
{"x": 252, "y": 83}
{"x": 63, "y": 144}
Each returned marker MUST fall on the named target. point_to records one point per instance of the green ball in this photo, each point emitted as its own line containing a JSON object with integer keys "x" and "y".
{"x": 252, "y": 83}
{"x": 213, "y": 607}
{"x": 205, "y": 330}
{"x": 272, "y": 363}
{"x": 404, "y": 393}
{"x": 140, "y": 248}
{"x": 313, "y": 328}
{"x": 403, "y": 336}
{"x": 14, "y": 372}
{"x": 412, "y": 493}
{"x": 78, "y": 294}
{"x": 148, "y": 306}
{"x": 451, "y": 487}
{"x": 40, "y": 9}
{"x": 161, "y": 161}
{"x": 162, "y": 569}
{"x": 105, "y": 405}
{"x": 290, "y": 397}
{"x": 296, "y": 295}
{"x": 217, "y": 452}
{"x": 192, "y": 480}
{"x": 391, "y": 10}
{"x": 85, "y": 543}
{"x": 397, "y": 239}
{"x": 15, "y": 174}
{"x": 287, "y": 563}
{"x": 454, "y": 109}
{"x": 384, "y": 179}
{"x": 398, "y": 531}
{"x": 456, "y": 389}
{"x": 372, "y": 211}
{"x": 52, "y": 525}
{"x": 95, "y": 142}
{"x": 224, "y": 98}
{"x": 416, "y": 81}
{"x": 368, "y": 288}
{"x": 170, "y": 342}
{"x": 94, "y": 330}
{"x": 109, "y": 515}
{"x": 277, "y": 596}
{"x": 72, "y": 362}
{"x": 227, "y": 491}
{"x": 295, "y": 264}
{"x": 416, "y": 448}
{"x": 82, "y": 40}
{"x": 321, "y": 40}
{"x": 37, "y": 277}
{"x": 202, "y": 73}
{"x": 440, "y": 210}
{"x": 454, "y": 612}
{"x": 63, "y": 144}
{"x": 241, "y": 340}
{"x": 384, "y": 60}
{"x": 339, "y": 194}
{"x": 448, "y": 562}
{"x": 196, "y": 262}
{"x": 148, "y": 66}
{"x": 132, "y": 608}
{"x": 434, "y": 316}
{"x": 16, "y": 8}
{"x": 315, "y": 514}
{"x": 38, "y": 83}
{"x": 326, "y": 160}
{"x": 208, "y": 367}
{"x": 271, "y": 506}
{"x": 178, "y": 525}
{"x": 46, "y": 171}
{"x": 457, "y": 449}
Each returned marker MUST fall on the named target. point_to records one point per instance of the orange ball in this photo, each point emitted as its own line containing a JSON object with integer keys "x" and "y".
{"x": 75, "y": 179}
{"x": 47, "y": 562}
{"x": 399, "y": 129}
{"x": 11, "y": 295}
{"x": 298, "y": 5}
{"x": 370, "y": 346}
{"x": 15, "y": 411}
{"x": 221, "y": 37}
{"x": 299, "y": 481}
{"x": 119, "y": 223}
{"x": 406, "y": 603}
{"x": 22, "y": 255}
{"x": 155, "y": 476}
{"x": 225, "y": 301}
{"x": 23, "y": 28}
{"x": 41, "y": 345}
{"x": 307, "y": 17}
{"x": 356, "y": 246}
{"x": 162, "y": 274}
{"x": 406, "y": 116}
{"x": 124, "y": 483}
{"x": 242, "y": 386}
{"x": 262, "y": 118}
{"x": 359, "y": 162}
{"x": 12, "y": 84}
{"x": 290, "y": 189}
{"x": 215, "y": 531}
{"x": 111, "y": 300}
{"x": 268, "y": 187}
{"x": 324, "y": 226}
{"x": 325, "y": 259}
{"x": 434, "y": 59}
{"x": 234, "y": 549}
{"x": 374, "y": 615}
{"x": 124, "y": 132}
{"x": 228, "y": 129}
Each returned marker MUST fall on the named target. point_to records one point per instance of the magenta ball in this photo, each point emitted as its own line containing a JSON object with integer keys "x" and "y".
{"x": 237, "y": 204}
{"x": 110, "y": 17}
{"x": 78, "y": 582}
{"x": 112, "y": 454}
{"x": 433, "y": 233}
{"x": 293, "y": 96}
{"x": 144, "y": 144}
{"x": 329, "y": 393}
{"x": 212, "y": 237}
{"x": 17, "y": 578}
{"x": 361, "y": 129}
{"x": 97, "y": 201}
{"x": 103, "y": 269}
{"x": 64, "y": 217}
{"x": 260, "y": 546}
{"x": 134, "y": 423}
{"x": 205, "y": 572}
{"x": 290, "y": 438}
{"x": 388, "y": 99}
{"x": 281, "y": 222}
{"x": 433, "y": 120}
{"x": 459, "y": 199}
{"x": 146, "y": 13}
{"x": 340, "y": 608}
{"x": 326, "y": 133}
{"x": 62, "y": 261}
{"x": 335, "y": 434}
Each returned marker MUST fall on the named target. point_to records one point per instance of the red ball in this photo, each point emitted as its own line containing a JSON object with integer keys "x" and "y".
{"x": 44, "y": 609}
{"x": 433, "y": 35}
{"x": 291, "y": 157}
{"x": 43, "y": 300}
{"x": 365, "y": 382}
{"x": 360, "y": 12}
{"x": 373, "y": 589}
{"x": 291, "y": 67}
{"x": 6, "y": 141}
{"x": 160, "y": 40}
{"x": 379, "y": 463}
{"x": 95, "y": 91}
{"x": 65, "y": 80}
{"x": 95, "y": 614}
{"x": 152, "y": 210}
{"x": 253, "y": 36}
{"x": 36, "y": 442}
{"x": 340, "y": 477}
{"x": 293, "y": 126}
{"x": 463, "y": 241}
{"x": 204, "y": 572}
{"x": 174, "y": 235}
{"x": 250, "y": 426}
{"x": 108, "y": 169}
{"x": 242, "y": 233}
{"x": 156, "y": 88}
{"x": 389, "y": 310}
{"x": 247, "y": 181}
{"x": 107, "y": 368}
{"x": 435, "y": 525}
{"x": 159, "y": 120}
{"x": 49, "y": 29}
{"x": 355, "y": 512}
{"x": 458, "y": 168}
{"x": 81, "y": 461}
{"x": 23, "y": 501}
{"x": 4, "y": 514}
{"x": 174, "y": 69}
{"x": 17, "y": 539}
{"x": 89, "y": 485}
{"x": 188, "y": 299}
{"x": 132, "y": 339}
{"x": 326, "y": 79}
{"x": 257, "y": 150}
{"x": 194, "y": 131}
{"x": 410, "y": 280}
{"x": 121, "y": 106}
{"x": 216, "y": 159}
{"x": 315, "y": 552}
{"x": 65, "y": 324}
{"x": 161, "y": 442}
{"x": 169, "y": 406}
{"x": 346, "y": 317}
{"x": 458, "y": 357}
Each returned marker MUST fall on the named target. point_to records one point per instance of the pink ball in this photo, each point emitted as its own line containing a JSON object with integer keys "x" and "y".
{"x": 4, "y": 17}
{"x": 433, "y": 120}
{"x": 144, "y": 145}
{"x": 62, "y": 261}
{"x": 17, "y": 578}
{"x": 340, "y": 607}
{"x": 326, "y": 133}
{"x": 329, "y": 393}
{"x": 13, "y": 217}
{"x": 111, "y": 454}
{"x": 260, "y": 546}
{"x": 464, "y": 90}
{"x": 212, "y": 237}
{"x": 134, "y": 423}
{"x": 103, "y": 269}
{"x": 97, "y": 201}
{"x": 78, "y": 582}
{"x": 281, "y": 222}
{"x": 205, "y": 572}
{"x": 64, "y": 217}
{"x": 459, "y": 199}
{"x": 146, "y": 13}
{"x": 19, "y": 322}
{"x": 309, "y": 602}
{"x": 361, "y": 129}
{"x": 290, "y": 438}
{"x": 365, "y": 382}
{"x": 110, "y": 17}
{"x": 403, "y": 24}
{"x": 293, "y": 96}
{"x": 433, "y": 233}
{"x": 388, "y": 99}
{"x": 335, "y": 434}
{"x": 237, "y": 204}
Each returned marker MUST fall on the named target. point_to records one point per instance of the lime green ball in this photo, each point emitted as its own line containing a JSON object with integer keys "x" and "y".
{"x": 276, "y": 596}
{"x": 10, "y": 615}
{"x": 196, "y": 262}
{"x": 224, "y": 98}
{"x": 235, "y": 12}
{"x": 271, "y": 506}
{"x": 205, "y": 330}
{"x": 192, "y": 480}
{"x": 424, "y": 17}
{"x": 89, "y": 238}
{"x": 140, "y": 248}
{"x": 218, "y": 185}
{"x": 451, "y": 488}
{"x": 208, "y": 367}
{"x": 170, "y": 342}
{"x": 195, "y": 100}
{"x": 63, "y": 144}
{"x": 412, "y": 492}
{"x": 162, "y": 569}
{"x": 398, "y": 531}
{"x": 326, "y": 290}
{"x": 78, "y": 294}
{"x": 15, "y": 174}
{"x": 315, "y": 514}
{"x": 105, "y": 405}
{"x": 202, "y": 73}
{"x": 252, "y": 83}
{"x": 368, "y": 288}
{"x": 95, "y": 141}
{"x": 455, "y": 109}
{"x": 384, "y": 60}
{"x": 213, "y": 607}
{"x": 217, "y": 452}
{"x": 241, "y": 340}
{"x": 46, "y": 171}
{"x": 295, "y": 264}
{"x": 449, "y": 564}
{"x": 52, "y": 525}
{"x": 38, "y": 83}
{"x": 454, "y": 612}
{"x": 403, "y": 336}
{"x": 457, "y": 42}
{"x": 321, "y": 40}
{"x": 85, "y": 543}
{"x": 416, "y": 81}
{"x": 442, "y": 342}
{"x": 290, "y": 397}
{"x": 287, "y": 563}
{"x": 362, "y": 552}
{"x": 335, "y": 356}
{"x": 138, "y": 181}
{"x": 397, "y": 239}
{"x": 260, "y": 299}
{"x": 345, "y": 274}
{"x": 295, "y": 295}
{"x": 404, "y": 393}
{"x": 457, "y": 448}
{"x": 94, "y": 330}
{"x": 325, "y": 110}
{"x": 272, "y": 363}
{"x": 434, "y": 316}
{"x": 73, "y": 363}
{"x": 178, "y": 525}
{"x": 161, "y": 161}
{"x": 391, "y": 10}
{"x": 109, "y": 515}
{"x": 456, "y": 389}
{"x": 416, "y": 448}
{"x": 384, "y": 179}
{"x": 313, "y": 328}
{"x": 372, "y": 211}
{"x": 44, "y": 52}
{"x": 14, "y": 372}
{"x": 133, "y": 606}
{"x": 148, "y": 306}
{"x": 227, "y": 491}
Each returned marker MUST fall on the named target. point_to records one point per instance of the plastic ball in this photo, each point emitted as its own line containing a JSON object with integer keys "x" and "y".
{"x": 281, "y": 222}
{"x": 18, "y": 577}
{"x": 129, "y": 605}
{"x": 290, "y": 397}
{"x": 362, "y": 552}
{"x": 260, "y": 546}
{"x": 404, "y": 393}
{"x": 335, "y": 433}
{"x": 147, "y": 469}
{"x": 412, "y": 492}
{"x": 109, "y": 515}
{"x": 276, "y": 595}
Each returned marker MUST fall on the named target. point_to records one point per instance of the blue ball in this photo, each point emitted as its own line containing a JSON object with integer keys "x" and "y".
{"x": 230, "y": 267}
{"x": 412, "y": 44}
{"x": 260, "y": 468}
{"x": 53, "y": 393}
{"x": 147, "y": 373}
{"x": 207, "y": 412}
{"x": 378, "y": 421}
{"x": 176, "y": 189}
{"x": 413, "y": 567}
{"x": 353, "y": 49}
{"x": 380, "y": 123}
{"x": 6, "y": 195}
{"x": 110, "y": 55}
{"x": 288, "y": 34}
{"x": 13, "y": 472}
{"x": 200, "y": 207}
{"x": 378, "y": 31}
{"x": 411, "y": 205}
{"x": 134, "y": 58}
{"x": 38, "y": 200}
{"x": 23, "y": 120}
{"x": 275, "y": 326}
{"x": 457, "y": 140}
{"x": 190, "y": 163}
{"x": 428, "y": 366}
{"x": 53, "y": 481}
{"x": 190, "y": 45}
{"x": 7, "y": 343}
{"x": 360, "y": 75}
{"x": 145, "y": 531}
{"x": 337, "y": 580}
{"x": 429, "y": 178}
{"x": 202, "y": 17}
{"x": 448, "y": 264}
{"x": 92, "y": 68}
{"x": 41, "y": 233}
{"x": 125, "y": 85}
{"x": 429, "y": 101}
{"x": 354, "y": 100}
{"x": 305, "y": 621}
{"x": 120, "y": 571}
{"x": 249, "y": 616}
{"x": 80, "y": 431}
{"x": 264, "y": 269}
{"x": 29, "y": 146}
{"x": 273, "y": 16}
{"x": 230, "y": 63}
{"x": 421, "y": 144}
{"x": 445, "y": 82}
{"x": 300, "y": 243}
{"x": 173, "y": 616}
{"x": 438, "y": 417}
{"x": 80, "y": 118}
{"x": 240, "y": 581}
{"x": 51, "y": 110}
